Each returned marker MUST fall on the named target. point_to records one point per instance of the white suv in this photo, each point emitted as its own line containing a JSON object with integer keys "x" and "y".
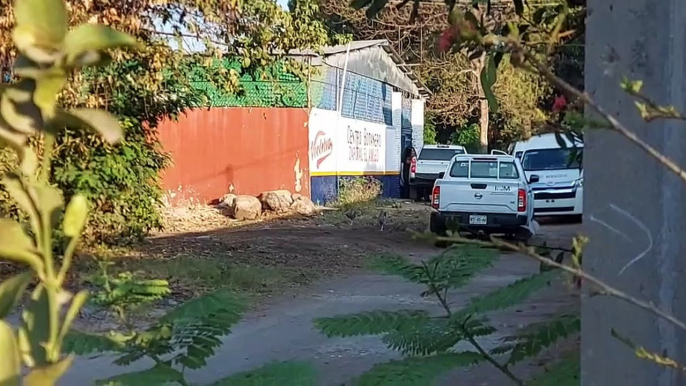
{"x": 483, "y": 194}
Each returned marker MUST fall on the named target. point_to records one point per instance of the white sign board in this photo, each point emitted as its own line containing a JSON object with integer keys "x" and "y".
{"x": 345, "y": 146}
{"x": 417, "y": 120}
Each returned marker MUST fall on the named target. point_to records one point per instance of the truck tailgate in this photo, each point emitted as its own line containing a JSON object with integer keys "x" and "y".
{"x": 430, "y": 168}
{"x": 478, "y": 195}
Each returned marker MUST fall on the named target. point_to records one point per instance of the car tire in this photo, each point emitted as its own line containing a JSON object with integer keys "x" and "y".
{"x": 437, "y": 226}
{"x": 523, "y": 235}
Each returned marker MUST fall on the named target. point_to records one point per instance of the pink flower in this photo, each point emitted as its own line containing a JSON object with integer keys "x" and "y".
{"x": 447, "y": 39}
{"x": 559, "y": 104}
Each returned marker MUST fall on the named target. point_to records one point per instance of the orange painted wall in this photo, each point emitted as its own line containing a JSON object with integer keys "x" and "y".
{"x": 249, "y": 149}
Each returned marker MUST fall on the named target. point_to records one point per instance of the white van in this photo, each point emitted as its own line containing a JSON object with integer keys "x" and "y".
{"x": 560, "y": 189}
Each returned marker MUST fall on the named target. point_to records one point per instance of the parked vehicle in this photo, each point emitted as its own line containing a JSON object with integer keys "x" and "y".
{"x": 561, "y": 187}
{"x": 483, "y": 193}
{"x": 432, "y": 160}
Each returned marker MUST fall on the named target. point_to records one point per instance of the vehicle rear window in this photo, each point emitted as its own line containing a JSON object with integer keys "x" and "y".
{"x": 460, "y": 170}
{"x": 439, "y": 154}
{"x": 485, "y": 169}
{"x": 508, "y": 171}
{"x": 553, "y": 159}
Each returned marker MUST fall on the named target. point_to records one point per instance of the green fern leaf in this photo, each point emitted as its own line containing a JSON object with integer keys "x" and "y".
{"x": 543, "y": 335}
{"x": 456, "y": 266}
{"x": 506, "y": 297}
{"x": 154, "y": 341}
{"x": 370, "y": 323}
{"x": 135, "y": 354}
{"x": 434, "y": 336}
{"x": 564, "y": 373}
{"x": 502, "y": 349}
{"x": 126, "y": 290}
{"x": 419, "y": 371}
{"x": 81, "y": 343}
{"x": 199, "y": 340}
{"x": 196, "y": 327}
{"x": 221, "y": 300}
{"x": 399, "y": 266}
{"x": 451, "y": 269}
{"x": 437, "y": 335}
{"x": 161, "y": 374}
{"x": 477, "y": 327}
{"x": 273, "y": 374}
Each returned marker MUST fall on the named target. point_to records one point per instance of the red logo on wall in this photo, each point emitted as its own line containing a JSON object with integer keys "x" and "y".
{"x": 321, "y": 147}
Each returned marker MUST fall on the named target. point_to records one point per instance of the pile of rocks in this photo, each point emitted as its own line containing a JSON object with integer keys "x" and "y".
{"x": 243, "y": 207}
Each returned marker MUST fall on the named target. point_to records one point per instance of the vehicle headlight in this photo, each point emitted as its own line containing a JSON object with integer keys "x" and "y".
{"x": 579, "y": 183}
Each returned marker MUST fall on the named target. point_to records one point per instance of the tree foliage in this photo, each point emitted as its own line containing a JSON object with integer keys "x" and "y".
{"x": 533, "y": 339}
{"x": 154, "y": 85}
{"x": 185, "y": 337}
{"x": 453, "y": 77}
{"x": 428, "y": 340}
{"x": 48, "y": 51}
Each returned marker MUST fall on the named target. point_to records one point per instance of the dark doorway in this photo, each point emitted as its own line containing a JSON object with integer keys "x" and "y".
{"x": 406, "y": 162}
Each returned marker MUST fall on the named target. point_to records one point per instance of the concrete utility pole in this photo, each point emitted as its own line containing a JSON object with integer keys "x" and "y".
{"x": 635, "y": 210}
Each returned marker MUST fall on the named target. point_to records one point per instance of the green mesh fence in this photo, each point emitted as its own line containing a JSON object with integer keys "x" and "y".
{"x": 270, "y": 87}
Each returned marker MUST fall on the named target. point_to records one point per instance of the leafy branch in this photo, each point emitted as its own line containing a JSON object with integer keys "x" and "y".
{"x": 48, "y": 52}
{"x": 428, "y": 340}
{"x": 643, "y": 353}
{"x": 601, "y": 287}
{"x": 442, "y": 298}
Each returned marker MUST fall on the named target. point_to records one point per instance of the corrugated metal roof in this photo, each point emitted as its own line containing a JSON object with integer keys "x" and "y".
{"x": 358, "y": 45}
{"x": 354, "y": 45}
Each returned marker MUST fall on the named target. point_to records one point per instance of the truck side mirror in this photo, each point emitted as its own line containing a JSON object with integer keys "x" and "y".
{"x": 441, "y": 175}
{"x": 534, "y": 179}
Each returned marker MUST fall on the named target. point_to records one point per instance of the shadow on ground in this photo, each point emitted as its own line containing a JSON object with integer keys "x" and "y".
{"x": 280, "y": 328}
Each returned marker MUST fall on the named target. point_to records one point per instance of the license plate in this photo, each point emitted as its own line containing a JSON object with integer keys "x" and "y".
{"x": 477, "y": 220}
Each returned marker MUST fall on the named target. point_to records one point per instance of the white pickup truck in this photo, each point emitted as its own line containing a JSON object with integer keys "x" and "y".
{"x": 483, "y": 193}
{"x": 432, "y": 160}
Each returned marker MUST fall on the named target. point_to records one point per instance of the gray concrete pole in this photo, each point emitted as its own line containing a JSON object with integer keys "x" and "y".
{"x": 635, "y": 210}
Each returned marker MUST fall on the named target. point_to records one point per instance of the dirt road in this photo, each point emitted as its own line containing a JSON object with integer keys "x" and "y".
{"x": 281, "y": 328}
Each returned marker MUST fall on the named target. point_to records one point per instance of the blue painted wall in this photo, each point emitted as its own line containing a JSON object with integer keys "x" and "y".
{"x": 325, "y": 188}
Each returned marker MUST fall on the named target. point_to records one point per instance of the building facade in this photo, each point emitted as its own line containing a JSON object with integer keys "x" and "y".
{"x": 363, "y": 130}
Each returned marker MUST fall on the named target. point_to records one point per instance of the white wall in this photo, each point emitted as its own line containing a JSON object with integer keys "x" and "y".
{"x": 345, "y": 146}
{"x": 417, "y": 121}
{"x": 394, "y": 152}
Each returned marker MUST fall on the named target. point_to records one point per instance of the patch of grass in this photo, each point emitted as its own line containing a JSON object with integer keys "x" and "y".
{"x": 192, "y": 275}
{"x": 401, "y": 217}
{"x": 273, "y": 374}
{"x": 198, "y": 275}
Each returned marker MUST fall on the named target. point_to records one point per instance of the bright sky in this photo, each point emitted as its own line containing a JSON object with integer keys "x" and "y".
{"x": 192, "y": 44}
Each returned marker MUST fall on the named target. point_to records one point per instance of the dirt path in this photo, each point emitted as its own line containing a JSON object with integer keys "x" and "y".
{"x": 281, "y": 328}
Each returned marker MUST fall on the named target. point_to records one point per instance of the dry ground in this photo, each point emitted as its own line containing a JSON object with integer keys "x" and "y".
{"x": 297, "y": 268}
{"x": 260, "y": 259}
